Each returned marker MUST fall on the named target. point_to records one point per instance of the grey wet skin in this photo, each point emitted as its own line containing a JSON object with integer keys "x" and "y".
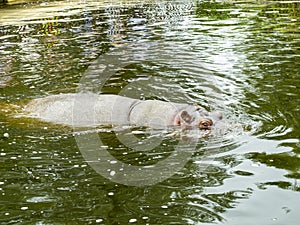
{"x": 90, "y": 110}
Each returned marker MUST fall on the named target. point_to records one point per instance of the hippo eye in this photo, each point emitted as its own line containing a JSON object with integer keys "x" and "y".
{"x": 205, "y": 124}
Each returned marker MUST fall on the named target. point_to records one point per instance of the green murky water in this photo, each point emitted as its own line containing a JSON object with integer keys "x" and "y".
{"x": 240, "y": 57}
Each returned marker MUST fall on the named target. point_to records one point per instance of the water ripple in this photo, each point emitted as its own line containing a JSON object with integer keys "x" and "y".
{"x": 240, "y": 58}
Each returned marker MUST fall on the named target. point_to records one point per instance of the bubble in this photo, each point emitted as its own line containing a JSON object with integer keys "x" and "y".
{"x": 112, "y": 173}
{"x": 132, "y": 220}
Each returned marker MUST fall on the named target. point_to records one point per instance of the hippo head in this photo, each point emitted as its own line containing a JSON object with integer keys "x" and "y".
{"x": 197, "y": 117}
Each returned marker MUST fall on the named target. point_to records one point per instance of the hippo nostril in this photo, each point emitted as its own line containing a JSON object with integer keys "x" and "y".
{"x": 220, "y": 116}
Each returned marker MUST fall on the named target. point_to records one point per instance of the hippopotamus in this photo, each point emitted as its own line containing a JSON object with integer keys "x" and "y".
{"x": 91, "y": 110}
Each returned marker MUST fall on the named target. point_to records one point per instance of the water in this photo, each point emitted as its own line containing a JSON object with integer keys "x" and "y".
{"x": 240, "y": 57}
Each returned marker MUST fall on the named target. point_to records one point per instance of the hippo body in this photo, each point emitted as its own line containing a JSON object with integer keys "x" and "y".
{"x": 90, "y": 110}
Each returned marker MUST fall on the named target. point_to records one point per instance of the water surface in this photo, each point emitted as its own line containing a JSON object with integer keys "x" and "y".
{"x": 242, "y": 58}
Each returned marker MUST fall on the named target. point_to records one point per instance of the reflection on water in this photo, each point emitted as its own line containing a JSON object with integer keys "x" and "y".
{"x": 241, "y": 58}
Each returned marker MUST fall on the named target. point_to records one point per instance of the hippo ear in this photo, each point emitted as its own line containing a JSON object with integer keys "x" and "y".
{"x": 185, "y": 116}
